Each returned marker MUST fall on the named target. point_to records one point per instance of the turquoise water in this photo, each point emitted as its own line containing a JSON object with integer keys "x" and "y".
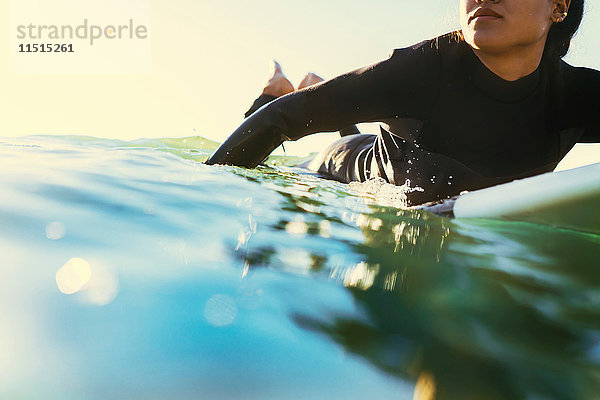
{"x": 130, "y": 270}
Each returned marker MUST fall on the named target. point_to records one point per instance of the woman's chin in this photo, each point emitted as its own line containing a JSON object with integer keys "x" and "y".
{"x": 486, "y": 40}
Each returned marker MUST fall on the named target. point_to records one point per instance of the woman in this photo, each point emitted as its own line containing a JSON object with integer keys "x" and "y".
{"x": 488, "y": 104}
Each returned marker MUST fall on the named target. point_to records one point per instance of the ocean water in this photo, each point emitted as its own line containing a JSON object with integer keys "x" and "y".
{"x": 130, "y": 270}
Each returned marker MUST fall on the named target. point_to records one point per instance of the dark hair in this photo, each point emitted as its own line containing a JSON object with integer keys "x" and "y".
{"x": 560, "y": 35}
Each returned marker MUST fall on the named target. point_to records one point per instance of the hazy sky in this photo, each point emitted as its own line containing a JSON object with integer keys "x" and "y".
{"x": 210, "y": 59}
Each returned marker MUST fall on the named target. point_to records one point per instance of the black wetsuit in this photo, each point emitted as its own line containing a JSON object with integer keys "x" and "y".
{"x": 454, "y": 124}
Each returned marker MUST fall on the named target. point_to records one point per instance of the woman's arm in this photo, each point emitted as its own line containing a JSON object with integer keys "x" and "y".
{"x": 403, "y": 85}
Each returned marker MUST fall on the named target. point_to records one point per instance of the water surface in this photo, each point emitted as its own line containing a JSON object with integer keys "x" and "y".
{"x": 130, "y": 270}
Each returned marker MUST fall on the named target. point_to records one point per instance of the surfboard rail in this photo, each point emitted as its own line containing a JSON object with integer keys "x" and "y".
{"x": 566, "y": 199}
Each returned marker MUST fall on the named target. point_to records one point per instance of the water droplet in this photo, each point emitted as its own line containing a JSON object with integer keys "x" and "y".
{"x": 220, "y": 310}
{"x": 55, "y": 230}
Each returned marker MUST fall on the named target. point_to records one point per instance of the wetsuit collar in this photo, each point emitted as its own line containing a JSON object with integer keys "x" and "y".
{"x": 494, "y": 86}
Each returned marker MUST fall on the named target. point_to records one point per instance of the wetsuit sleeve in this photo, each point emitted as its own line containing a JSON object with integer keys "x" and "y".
{"x": 403, "y": 85}
{"x": 591, "y": 135}
{"x": 588, "y": 104}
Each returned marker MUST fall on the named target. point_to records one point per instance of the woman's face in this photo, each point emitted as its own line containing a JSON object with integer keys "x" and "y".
{"x": 498, "y": 26}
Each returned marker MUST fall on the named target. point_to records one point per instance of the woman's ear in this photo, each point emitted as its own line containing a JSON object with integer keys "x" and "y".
{"x": 560, "y": 10}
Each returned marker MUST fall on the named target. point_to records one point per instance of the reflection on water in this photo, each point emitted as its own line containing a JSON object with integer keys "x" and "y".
{"x": 425, "y": 387}
{"x": 55, "y": 230}
{"x": 132, "y": 272}
{"x": 220, "y": 310}
{"x": 73, "y": 276}
{"x": 473, "y": 309}
{"x": 465, "y": 309}
{"x": 103, "y": 286}
{"x": 99, "y": 285}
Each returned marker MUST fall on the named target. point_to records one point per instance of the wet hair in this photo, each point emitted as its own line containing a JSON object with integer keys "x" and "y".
{"x": 560, "y": 35}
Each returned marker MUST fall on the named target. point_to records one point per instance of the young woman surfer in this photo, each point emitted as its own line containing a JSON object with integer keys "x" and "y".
{"x": 485, "y": 105}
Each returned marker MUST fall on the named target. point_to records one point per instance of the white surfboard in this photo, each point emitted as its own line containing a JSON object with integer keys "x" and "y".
{"x": 567, "y": 199}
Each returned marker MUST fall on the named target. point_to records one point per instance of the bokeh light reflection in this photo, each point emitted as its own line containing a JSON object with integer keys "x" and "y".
{"x": 55, "y": 230}
{"x": 103, "y": 286}
{"x": 425, "y": 388}
{"x": 296, "y": 228}
{"x": 220, "y": 310}
{"x": 360, "y": 276}
{"x": 73, "y": 276}
{"x": 98, "y": 286}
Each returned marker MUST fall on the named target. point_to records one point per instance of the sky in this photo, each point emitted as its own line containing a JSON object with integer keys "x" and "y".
{"x": 204, "y": 61}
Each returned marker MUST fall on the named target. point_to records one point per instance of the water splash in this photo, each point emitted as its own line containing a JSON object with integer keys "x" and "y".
{"x": 379, "y": 191}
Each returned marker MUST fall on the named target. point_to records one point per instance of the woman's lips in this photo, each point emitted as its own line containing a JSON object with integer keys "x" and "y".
{"x": 485, "y": 18}
{"x": 484, "y": 14}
